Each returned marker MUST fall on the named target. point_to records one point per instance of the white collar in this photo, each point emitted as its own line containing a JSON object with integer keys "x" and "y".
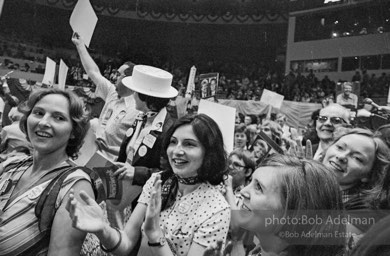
{"x": 159, "y": 119}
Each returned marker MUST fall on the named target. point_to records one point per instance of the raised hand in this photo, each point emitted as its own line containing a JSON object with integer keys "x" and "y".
{"x": 296, "y": 149}
{"x": 87, "y": 215}
{"x": 151, "y": 224}
{"x": 76, "y": 39}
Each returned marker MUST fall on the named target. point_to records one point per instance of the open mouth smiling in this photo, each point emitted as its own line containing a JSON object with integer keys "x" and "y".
{"x": 336, "y": 167}
{"x": 244, "y": 207}
{"x": 178, "y": 161}
{"x": 43, "y": 134}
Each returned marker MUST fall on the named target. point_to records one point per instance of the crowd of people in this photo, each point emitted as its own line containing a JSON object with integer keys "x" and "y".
{"x": 237, "y": 81}
{"x": 196, "y": 199}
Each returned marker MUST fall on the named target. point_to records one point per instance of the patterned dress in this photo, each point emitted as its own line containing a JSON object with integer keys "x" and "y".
{"x": 202, "y": 217}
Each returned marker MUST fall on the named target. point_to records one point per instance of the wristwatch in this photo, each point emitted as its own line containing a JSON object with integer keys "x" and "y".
{"x": 161, "y": 242}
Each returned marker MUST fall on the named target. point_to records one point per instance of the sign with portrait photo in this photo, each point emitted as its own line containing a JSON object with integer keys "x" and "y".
{"x": 355, "y": 88}
{"x": 208, "y": 85}
{"x": 272, "y": 98}
{"x": 348, "y": 99}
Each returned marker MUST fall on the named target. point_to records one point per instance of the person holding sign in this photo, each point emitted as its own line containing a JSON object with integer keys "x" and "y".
{"x": 180, "y": 211}
{"x": 118, "y": 112}
{"x": 55, "y": 124}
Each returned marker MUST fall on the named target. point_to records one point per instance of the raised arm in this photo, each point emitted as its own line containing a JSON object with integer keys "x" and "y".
{"x": 86, "y": 60}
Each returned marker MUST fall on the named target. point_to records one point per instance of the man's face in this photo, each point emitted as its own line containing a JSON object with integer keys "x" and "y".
{"x": 326, "y": 128}
{"x": 121, "y": 89}
{"x": 347, "y": 89}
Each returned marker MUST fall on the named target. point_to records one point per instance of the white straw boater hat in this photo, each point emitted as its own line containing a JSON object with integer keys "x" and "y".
{"x": 151, "y": 81}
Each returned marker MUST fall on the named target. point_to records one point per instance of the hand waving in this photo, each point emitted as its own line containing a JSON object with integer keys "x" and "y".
{"x": 152, "y": 217}
{"x": 296, "y": 149}
{"x": 86, "y": 216}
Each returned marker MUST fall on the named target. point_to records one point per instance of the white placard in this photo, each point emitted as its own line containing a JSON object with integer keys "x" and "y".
{"x": 50, "y": 71}
{"x": 89, "y": 146}
{"x": 191, "y": 82}
{"x": 388, "y": 98}
{"x": 272, "y": 98}
{"x": 224, "y": 116}
{"x": 1, "y": 5}
{"x": 62, "y": 74}
{"x": 83, "y": 20}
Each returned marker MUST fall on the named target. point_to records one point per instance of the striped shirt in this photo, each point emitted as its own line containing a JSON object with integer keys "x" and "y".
{"x": 18, "y": 224}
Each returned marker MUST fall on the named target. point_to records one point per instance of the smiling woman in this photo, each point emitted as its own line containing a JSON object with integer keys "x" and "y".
{"x": 180, "y": 211}
{"x": 286, "y": 205}
{"x": 360, "y": 160}
{"x": 55, "y": 124}
{"x": 60, "y": 109}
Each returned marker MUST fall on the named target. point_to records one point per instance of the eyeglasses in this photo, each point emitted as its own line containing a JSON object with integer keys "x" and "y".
{"x": 266, "y": 129}
{"x": 334, "y": 120}
{"x": 235, "y": 165}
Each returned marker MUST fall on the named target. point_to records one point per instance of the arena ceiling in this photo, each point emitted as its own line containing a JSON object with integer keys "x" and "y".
{"x": 199, "y": 7}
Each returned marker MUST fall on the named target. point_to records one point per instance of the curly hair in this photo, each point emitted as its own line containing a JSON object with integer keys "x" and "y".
{"x": 80, "y": 124}
{"x": 209, "y": 135}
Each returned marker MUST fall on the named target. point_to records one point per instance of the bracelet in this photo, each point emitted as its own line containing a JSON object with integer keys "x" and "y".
{"x": 116, "y": 246}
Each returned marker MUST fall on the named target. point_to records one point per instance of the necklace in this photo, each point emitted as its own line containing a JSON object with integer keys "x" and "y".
{"x": 188, "y": 181}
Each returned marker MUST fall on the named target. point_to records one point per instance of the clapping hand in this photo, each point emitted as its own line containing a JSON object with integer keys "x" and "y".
{"x": 151, "y": 224}
{"x": 86, "y": 216}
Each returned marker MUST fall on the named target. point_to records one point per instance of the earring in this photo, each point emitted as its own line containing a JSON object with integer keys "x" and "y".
{"x": 364, "y": 180}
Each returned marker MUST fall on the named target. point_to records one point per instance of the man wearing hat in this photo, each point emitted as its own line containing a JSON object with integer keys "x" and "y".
{"x": 118, "y": 112}
{"x": 140, "y": 150}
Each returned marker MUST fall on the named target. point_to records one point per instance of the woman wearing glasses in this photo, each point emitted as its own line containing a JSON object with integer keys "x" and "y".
{"x": 331, "y": 120}
{"x": 240, "y": 166}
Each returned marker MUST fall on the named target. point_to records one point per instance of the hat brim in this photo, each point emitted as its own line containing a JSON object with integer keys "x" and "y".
{"x": 128, "y": 82}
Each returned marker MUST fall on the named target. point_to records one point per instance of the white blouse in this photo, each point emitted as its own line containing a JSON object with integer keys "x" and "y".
{"x": 203, "y": 217}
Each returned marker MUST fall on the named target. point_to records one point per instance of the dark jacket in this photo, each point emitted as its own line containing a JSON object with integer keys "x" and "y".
{"x": 150, "y": 162}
